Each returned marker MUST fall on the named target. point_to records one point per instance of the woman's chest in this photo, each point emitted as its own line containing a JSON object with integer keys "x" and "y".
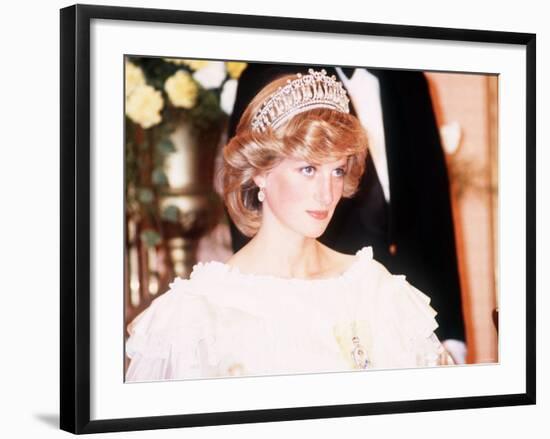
{"x": 287, "y": 336}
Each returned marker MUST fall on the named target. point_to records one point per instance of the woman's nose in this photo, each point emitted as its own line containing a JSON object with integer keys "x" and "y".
{"x": 324, "y": 191}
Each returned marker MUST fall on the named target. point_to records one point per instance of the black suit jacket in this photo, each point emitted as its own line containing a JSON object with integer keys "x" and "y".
{"x": 414, "y": 233}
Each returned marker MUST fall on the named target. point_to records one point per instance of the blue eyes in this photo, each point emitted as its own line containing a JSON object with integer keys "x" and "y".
{"x": 340, "y": 172}
{"x": 309, "y": 171}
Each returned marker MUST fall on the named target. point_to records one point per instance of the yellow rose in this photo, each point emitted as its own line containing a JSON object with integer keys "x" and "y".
{"x": 235, "y": 68}
{"x": 181, "y": 89}
{"x": 134, "y": 77}
{"x": 143, "y": 106}
{"x": 176, "y": 61}
{"x": 195, "y": 64}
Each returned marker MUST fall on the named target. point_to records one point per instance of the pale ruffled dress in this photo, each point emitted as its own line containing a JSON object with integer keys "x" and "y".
{"x": 221, "y": 322}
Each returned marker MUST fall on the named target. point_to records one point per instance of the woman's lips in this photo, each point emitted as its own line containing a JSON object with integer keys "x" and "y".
{"x": 318, "y": 214}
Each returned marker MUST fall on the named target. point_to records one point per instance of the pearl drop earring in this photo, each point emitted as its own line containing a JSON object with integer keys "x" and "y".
{"x": 261, "y": 194}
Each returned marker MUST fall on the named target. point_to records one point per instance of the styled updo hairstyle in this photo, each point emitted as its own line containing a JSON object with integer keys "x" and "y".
{"x": 315, "y": 136}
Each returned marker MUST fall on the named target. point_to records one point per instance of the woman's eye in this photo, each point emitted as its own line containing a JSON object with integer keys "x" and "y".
{"x": 340, "y": 172}
{"x": 308, "y": 170}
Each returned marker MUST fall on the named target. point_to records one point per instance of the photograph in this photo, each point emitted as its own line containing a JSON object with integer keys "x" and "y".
{"x": 272, "y": 220}
{"x": 314, "y": 219}
{"x": 288, "y": 218}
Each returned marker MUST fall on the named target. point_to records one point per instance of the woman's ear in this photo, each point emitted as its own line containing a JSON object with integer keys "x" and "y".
{"x": 260, "y": 179}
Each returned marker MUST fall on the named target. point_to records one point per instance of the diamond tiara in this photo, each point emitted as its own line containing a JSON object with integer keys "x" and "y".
{"x": 314, "y": 90}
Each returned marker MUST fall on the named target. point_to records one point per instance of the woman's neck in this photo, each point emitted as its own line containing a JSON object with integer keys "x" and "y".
{"x": 281, "y": 254}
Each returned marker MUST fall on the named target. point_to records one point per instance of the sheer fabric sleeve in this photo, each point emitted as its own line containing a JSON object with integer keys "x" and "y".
{"x": 402, "y": 322}
{"x": 166, "y": 340}
{"x": 417, "y": 322}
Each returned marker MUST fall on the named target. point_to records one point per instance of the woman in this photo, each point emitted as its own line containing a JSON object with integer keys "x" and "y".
{"x": 285, "y": 303}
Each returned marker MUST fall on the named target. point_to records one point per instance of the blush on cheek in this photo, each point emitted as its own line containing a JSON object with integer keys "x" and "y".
{"x": 287, "y": 191}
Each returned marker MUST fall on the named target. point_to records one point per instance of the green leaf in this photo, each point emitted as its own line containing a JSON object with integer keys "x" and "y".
{"x": 150, "y": 237}
{"x": 159, "y": 177}
{"x": 171, "y": 213}
{"x": 166, "y": 146}
{"x": 145, "y": 195}
{"x": 167, "y": 127}
{"x": 207, "y": 113}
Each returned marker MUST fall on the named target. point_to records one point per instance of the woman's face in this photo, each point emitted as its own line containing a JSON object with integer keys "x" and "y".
{"x": 302, "y": 196}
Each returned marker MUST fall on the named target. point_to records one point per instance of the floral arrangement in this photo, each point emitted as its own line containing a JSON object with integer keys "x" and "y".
{"x": 161, "y": 93}
{"x": 157, "y": 89}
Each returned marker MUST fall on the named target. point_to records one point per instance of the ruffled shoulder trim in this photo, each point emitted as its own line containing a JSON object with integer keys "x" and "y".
{"x": 173, "y": 323}
{"x": 418, "y": 317}
{"x": 365, "y": 252}
{"x": 215, "y": 270}
{"x": 399, "y": 316}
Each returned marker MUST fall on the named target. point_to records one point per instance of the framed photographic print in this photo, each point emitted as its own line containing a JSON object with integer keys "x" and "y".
{"x": 313, "y": 219}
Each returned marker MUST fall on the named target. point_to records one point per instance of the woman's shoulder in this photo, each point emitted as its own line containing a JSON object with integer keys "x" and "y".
{"x": 340, "y": 260}
{"x": 176, "y": 310}
{"x": 179, "y": 294}
{"x": 364, "y": 252}
{"x": 163, "y": 338}
{"x": 393, "y": 299}
{"x": 340, "y": 265}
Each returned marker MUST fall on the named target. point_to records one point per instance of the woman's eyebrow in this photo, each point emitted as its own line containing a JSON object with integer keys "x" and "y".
{"x": 299, "y": 160}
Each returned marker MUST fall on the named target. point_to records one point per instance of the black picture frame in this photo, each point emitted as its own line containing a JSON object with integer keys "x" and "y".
{"x": 75, "y": 276}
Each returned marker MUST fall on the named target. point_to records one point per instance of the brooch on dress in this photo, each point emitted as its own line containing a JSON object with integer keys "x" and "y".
{"x": 359, "y": 354}
{"x": 347, "y": 337}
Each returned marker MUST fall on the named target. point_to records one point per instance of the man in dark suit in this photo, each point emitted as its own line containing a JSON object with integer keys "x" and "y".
{"x": 407, "y": 220}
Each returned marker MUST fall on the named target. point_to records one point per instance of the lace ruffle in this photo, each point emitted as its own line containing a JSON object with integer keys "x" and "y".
{"x": 220, "y": 319}
{"x": 227, "y": 272}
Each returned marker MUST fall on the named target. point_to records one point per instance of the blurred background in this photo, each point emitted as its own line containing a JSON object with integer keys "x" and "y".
{"x": 177, "y": 114}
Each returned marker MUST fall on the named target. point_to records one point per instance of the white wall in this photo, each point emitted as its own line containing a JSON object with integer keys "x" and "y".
{"x": 30, "y": 204}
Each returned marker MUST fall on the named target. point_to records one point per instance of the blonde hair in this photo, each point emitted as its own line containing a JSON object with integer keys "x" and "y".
{"x": 314, "y": 136}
